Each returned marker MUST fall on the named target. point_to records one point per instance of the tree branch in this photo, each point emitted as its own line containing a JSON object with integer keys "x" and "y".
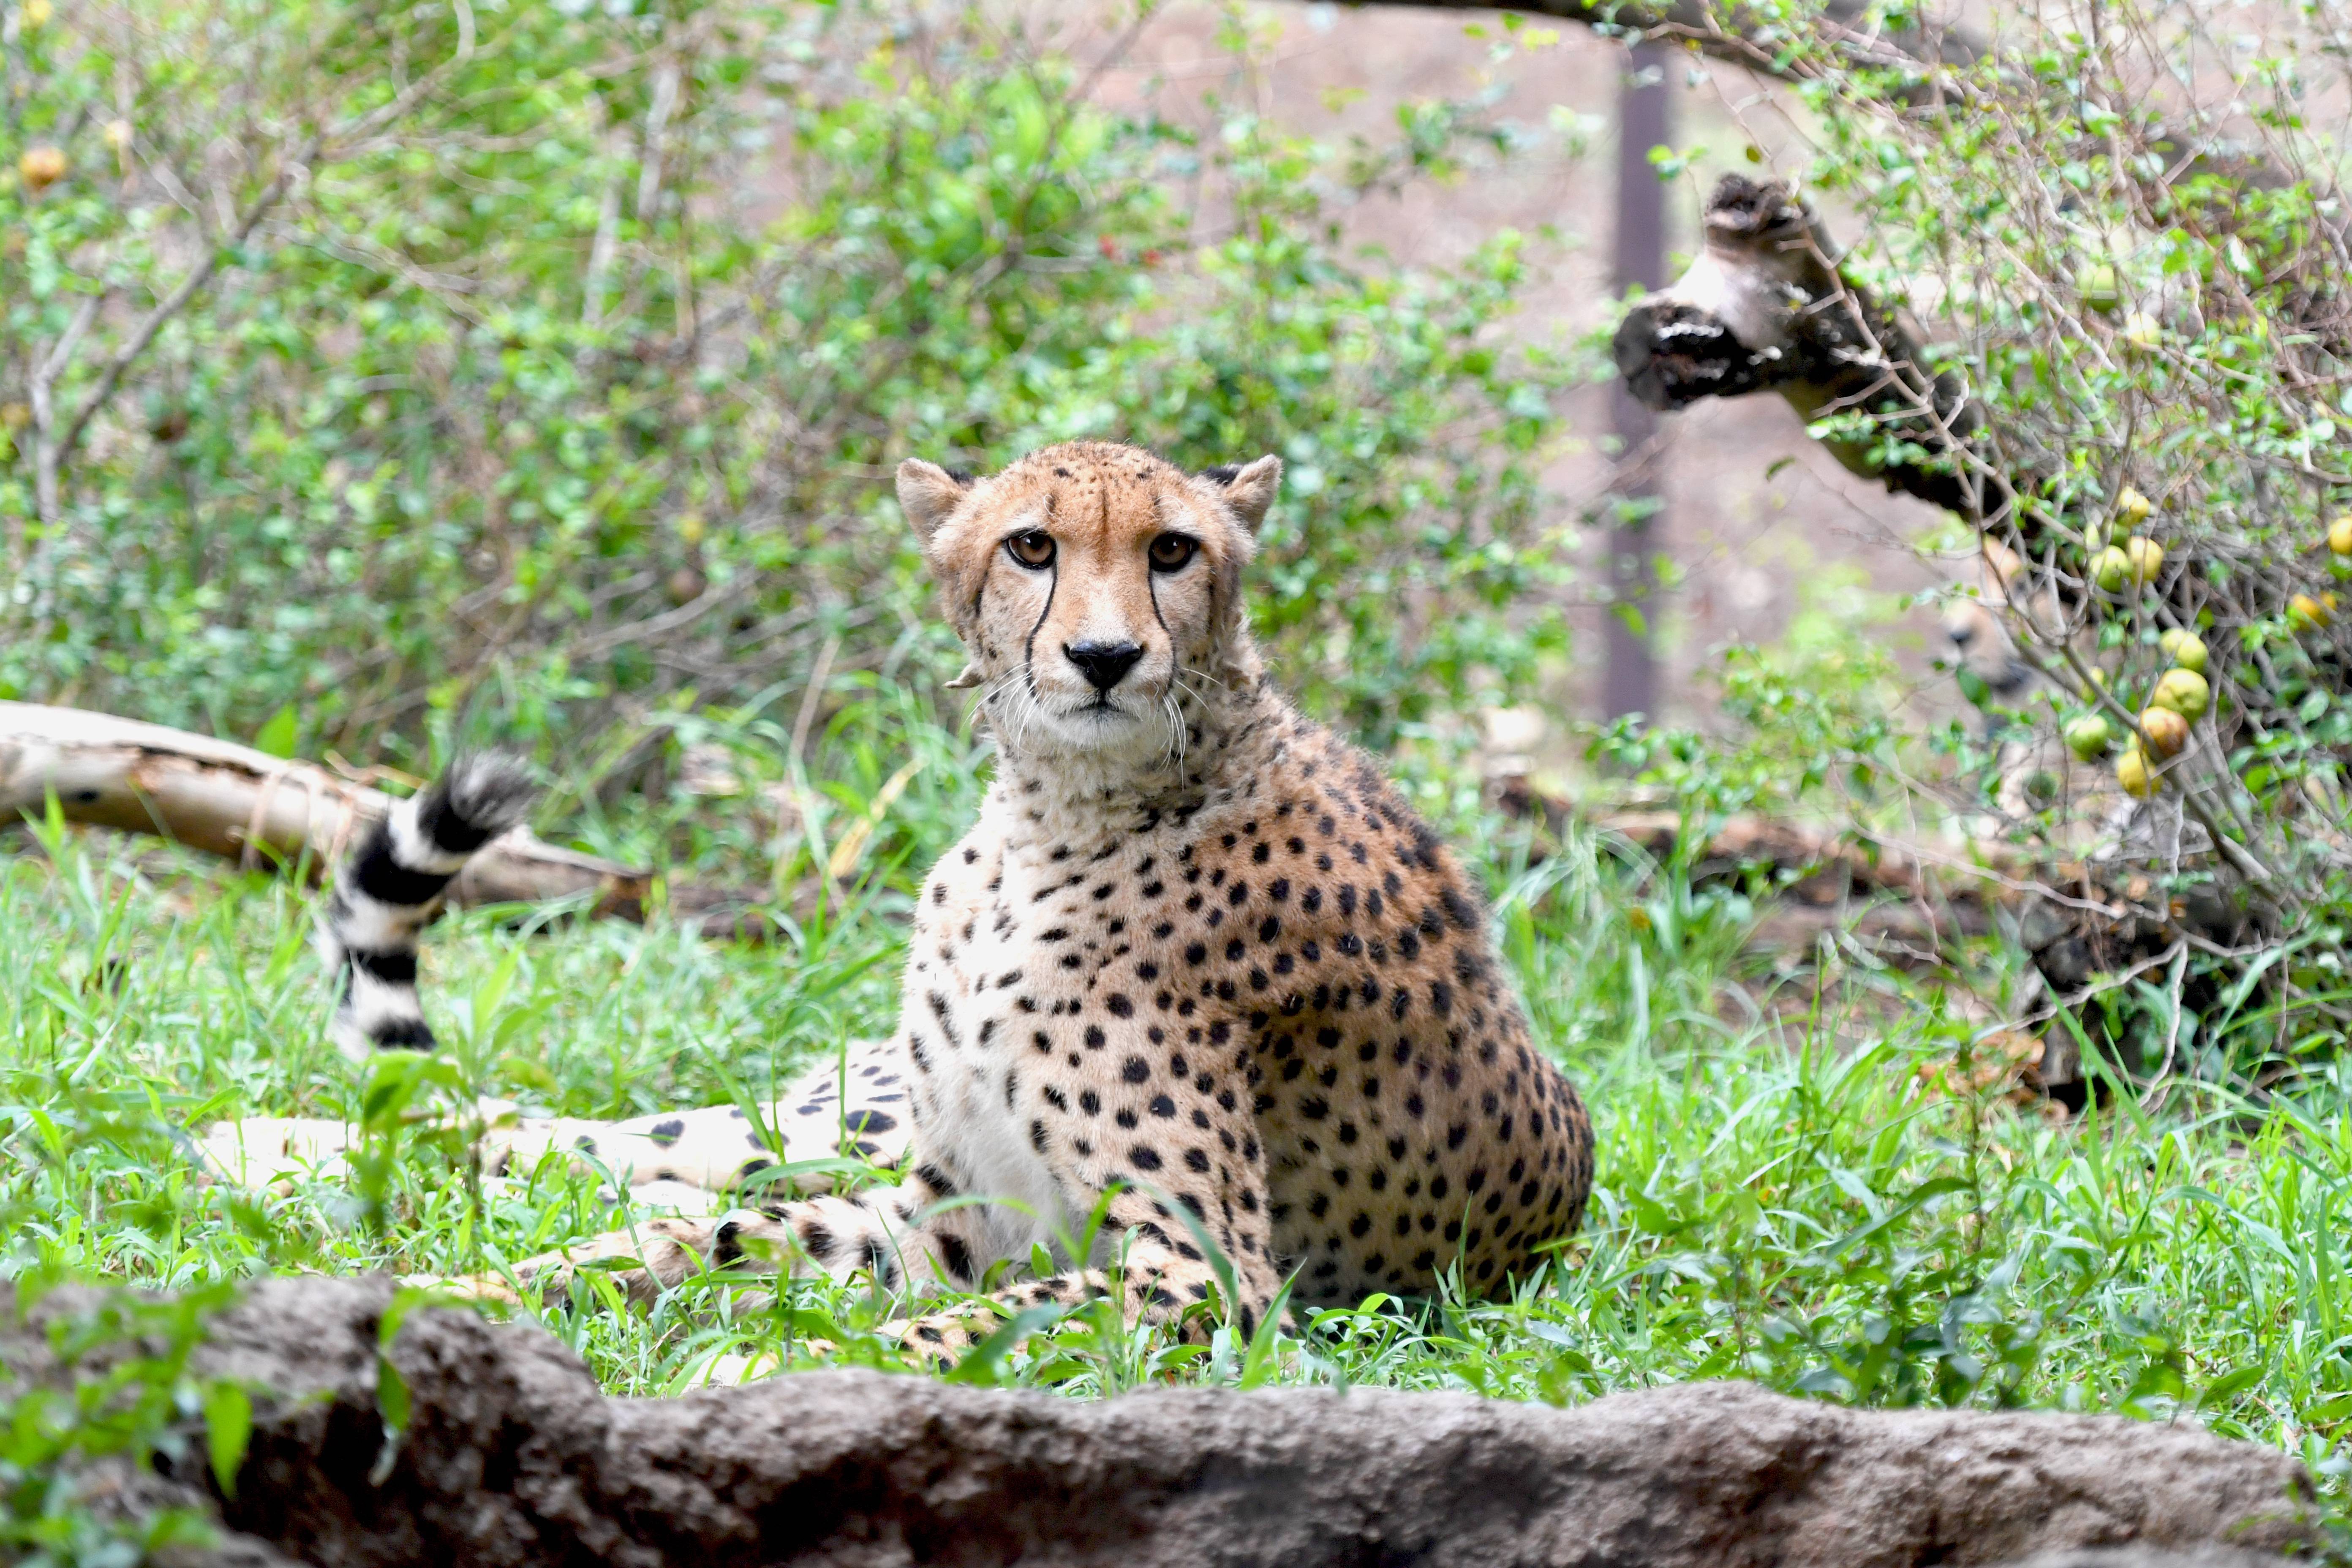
{"x": 322, "y": 142}
{"x": 1765, "y": 308}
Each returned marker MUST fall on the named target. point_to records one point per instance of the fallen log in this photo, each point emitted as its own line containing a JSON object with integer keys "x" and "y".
{"x": 249, "y": 806}
{"x": 1911, "y": 899}
{"x": 510, "y": 1454}
{"x": 2087, "y": 926}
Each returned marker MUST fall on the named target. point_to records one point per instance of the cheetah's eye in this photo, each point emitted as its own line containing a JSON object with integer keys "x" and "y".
{"x": 1171, "y": 551}
{"x": 1034, "y": 549}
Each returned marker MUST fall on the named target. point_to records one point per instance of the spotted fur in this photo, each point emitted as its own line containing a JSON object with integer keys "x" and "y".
{"x": 1196, "y": 958}
{"x": 851, "y": 1108}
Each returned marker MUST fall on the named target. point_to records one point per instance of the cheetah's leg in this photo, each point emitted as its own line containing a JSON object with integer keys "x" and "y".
{"x": 897, "y": 1237}
{"x": 713, "y": 1148}
{"x": 886, "y": 1233}
{"x": 854, "y": 1105}
{"x": 1172, "y": 1132}
{"x": 1193, "y": 1144}
{"x": 1164, "y": 1273}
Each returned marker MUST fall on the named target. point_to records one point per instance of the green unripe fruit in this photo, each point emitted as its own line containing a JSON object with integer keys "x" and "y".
{"x": 2186, "y": 649}
{"x": 2110, "y": 569}
{"x": 2101, "y": 290}
{"x": 2088, "y": 737}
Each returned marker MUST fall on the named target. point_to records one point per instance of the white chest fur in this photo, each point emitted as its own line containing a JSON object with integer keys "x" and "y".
{"x": 970, "y": 980}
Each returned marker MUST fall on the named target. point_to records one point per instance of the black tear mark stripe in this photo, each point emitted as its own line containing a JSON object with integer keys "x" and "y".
{"x": 1029, "y": 643}
{"x": 1151, "y": 586}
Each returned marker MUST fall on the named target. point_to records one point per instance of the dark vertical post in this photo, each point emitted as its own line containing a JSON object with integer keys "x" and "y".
{"x": 1629, "y": 682}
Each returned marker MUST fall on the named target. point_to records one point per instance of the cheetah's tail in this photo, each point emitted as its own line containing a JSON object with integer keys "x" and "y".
{"x": 394, "y": 882}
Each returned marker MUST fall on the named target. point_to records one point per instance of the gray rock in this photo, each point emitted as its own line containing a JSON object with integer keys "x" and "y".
{"x": 514, "y": 1456}
{"x": 2154, "y": 1557}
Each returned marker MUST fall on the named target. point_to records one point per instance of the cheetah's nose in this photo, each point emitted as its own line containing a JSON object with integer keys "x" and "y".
{"x": 1104, "y": 664}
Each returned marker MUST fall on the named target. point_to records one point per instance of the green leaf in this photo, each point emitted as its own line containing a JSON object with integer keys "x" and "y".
{"x": 1259, "y": 1366}
{"x": 228, "y": 1425}
{"x": 393, "y": 1078}
{"x": 392, "y": 1400}
{"x": 1911, "y": 1200}
{"x": 983, "y": 1365}
{"x": 276, "y": 737}
{"x": 2229, "y": 1384}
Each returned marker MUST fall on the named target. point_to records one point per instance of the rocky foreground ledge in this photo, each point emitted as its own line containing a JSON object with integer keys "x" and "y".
{"x": 512, "y": 1455}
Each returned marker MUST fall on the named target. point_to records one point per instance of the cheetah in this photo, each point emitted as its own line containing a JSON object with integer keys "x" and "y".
{"x": 1197, "y": 968}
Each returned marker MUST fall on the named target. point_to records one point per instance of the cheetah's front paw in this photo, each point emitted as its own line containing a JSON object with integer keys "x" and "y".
{"x": 658, "y": 1255}
{"x": 643, "y": 1261}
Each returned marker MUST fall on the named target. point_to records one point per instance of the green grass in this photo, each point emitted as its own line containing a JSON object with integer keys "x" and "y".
{"x": 1779, "y": 1198}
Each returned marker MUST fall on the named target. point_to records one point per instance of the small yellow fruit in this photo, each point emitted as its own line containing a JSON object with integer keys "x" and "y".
{"x": 2166, "y": 732}
{"x": 2305, "y": 613}
{"x": 37, "y": 12}
{"x": 2183, "y": 691}
{"x": 2142, "y": 331}
{"x": 2146, "y": 556}
{"x": 2132, "y": 508}
{"x": 41, "y": 167}
{"x": 2339, "y": 534}
{"x": 2186, "y": 649}
{"x": 2088, "y": 737}
{"x": 2133, "y": 772}
{"x": 2110, "y": 569}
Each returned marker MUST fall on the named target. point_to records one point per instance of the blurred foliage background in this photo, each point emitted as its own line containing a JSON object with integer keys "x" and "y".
{"x": 534, "y": 373}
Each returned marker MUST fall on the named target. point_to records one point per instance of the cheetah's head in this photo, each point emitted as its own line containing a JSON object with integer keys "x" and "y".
{"x": 1097, "y": 588}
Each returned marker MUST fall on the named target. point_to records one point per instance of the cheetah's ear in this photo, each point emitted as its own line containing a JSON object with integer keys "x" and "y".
{"x": 1249, "y": 488}
{"x": 927, "y": 493}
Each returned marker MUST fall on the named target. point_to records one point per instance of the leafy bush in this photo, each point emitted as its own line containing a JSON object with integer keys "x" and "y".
{"x": 2091, "y": 300}
{"x": 474, "y": 395}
